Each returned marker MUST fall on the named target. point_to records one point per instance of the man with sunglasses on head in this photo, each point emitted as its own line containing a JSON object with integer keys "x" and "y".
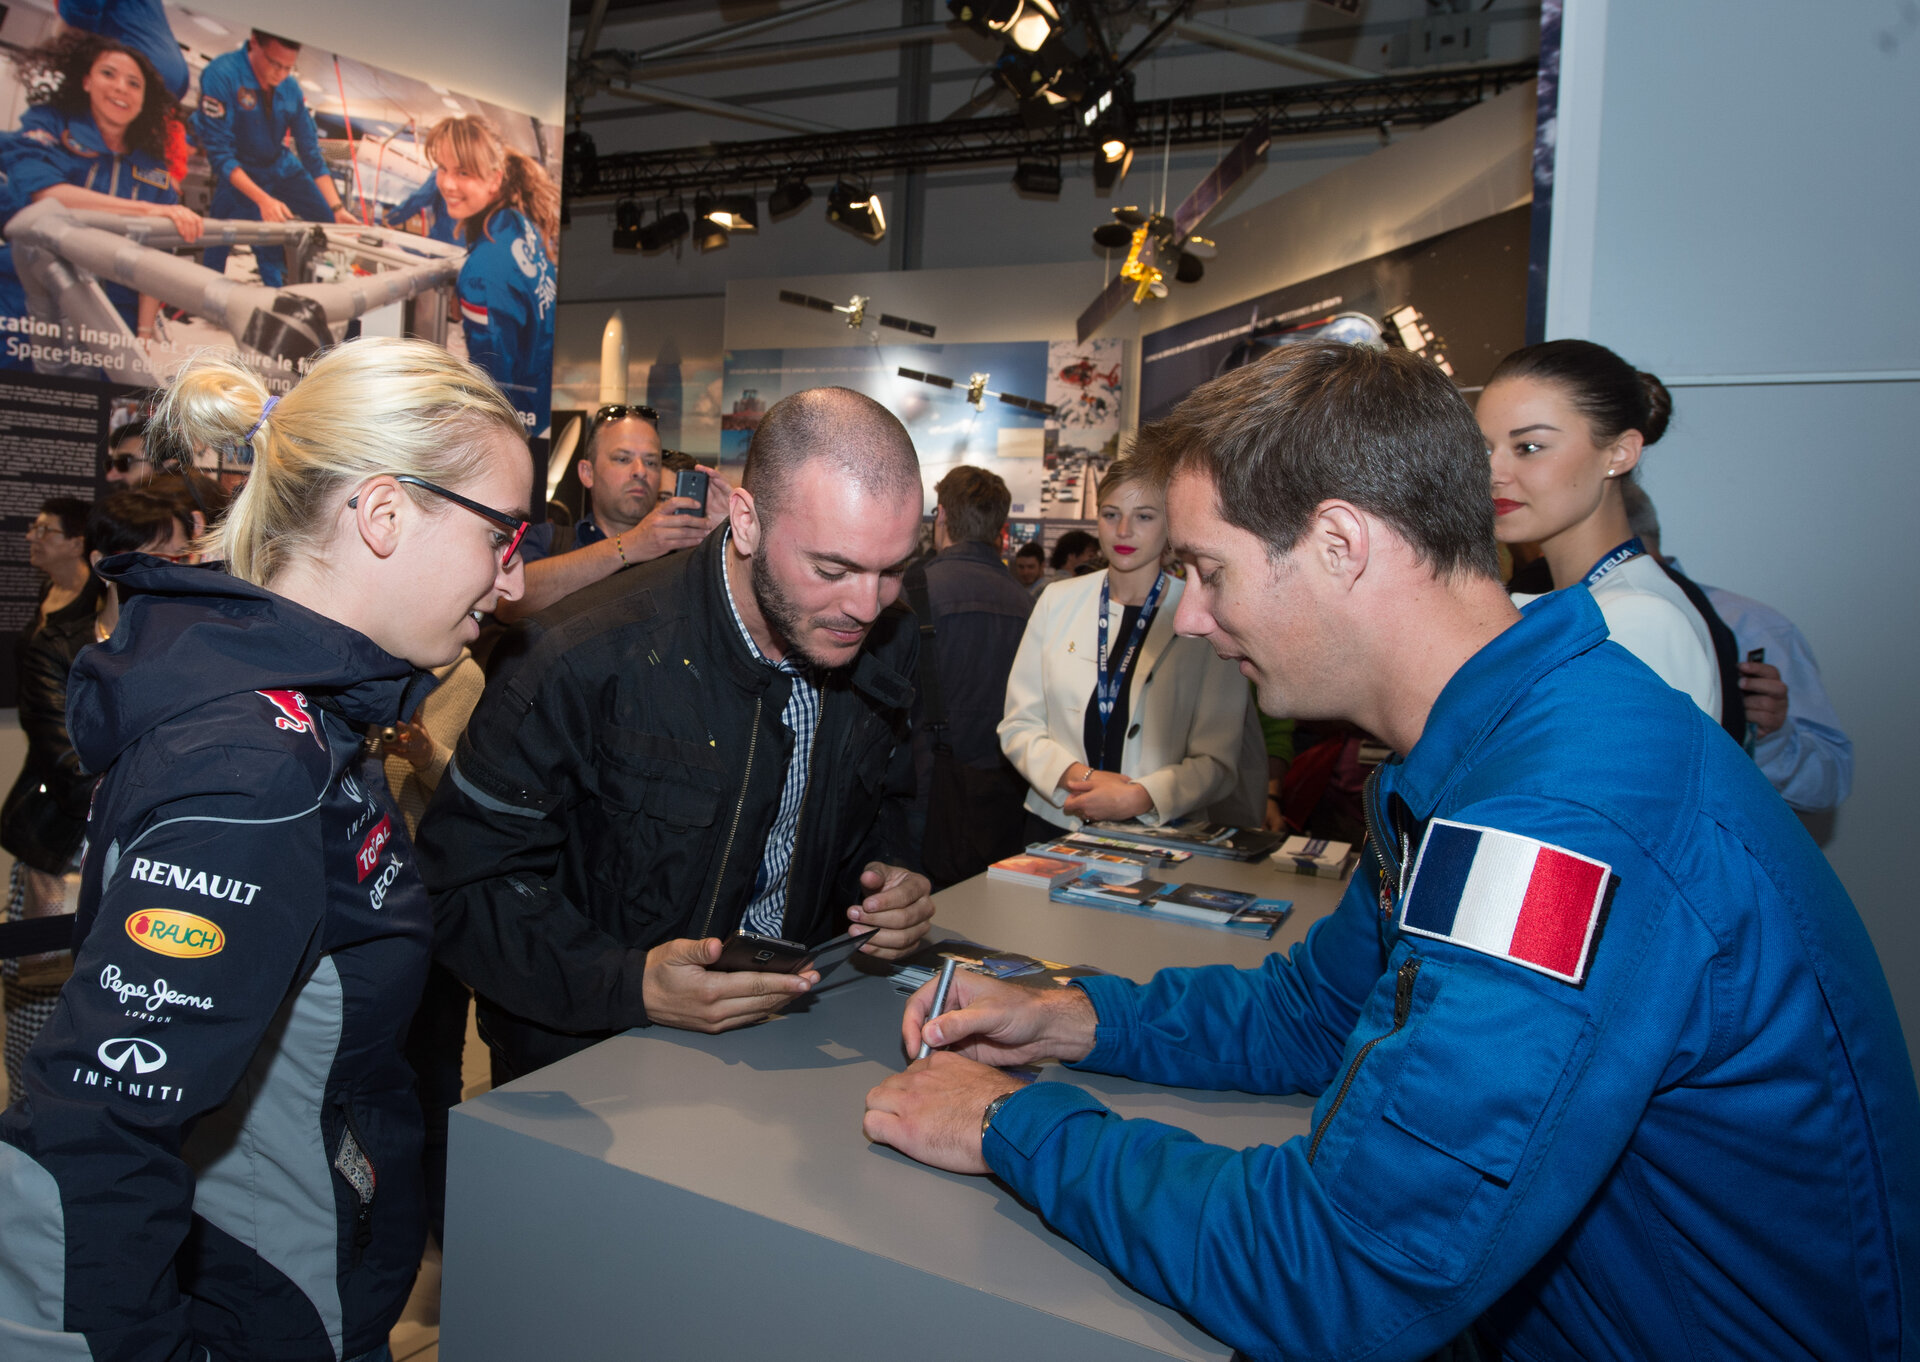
{"x": 716, "y": 742}
{"x": 626, "y": 520}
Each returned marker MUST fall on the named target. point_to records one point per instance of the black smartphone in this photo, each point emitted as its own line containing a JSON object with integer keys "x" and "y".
{"x": 774, "y": 955}
{"x": 1756, "y": 654}
{"x": 691, "y": 482}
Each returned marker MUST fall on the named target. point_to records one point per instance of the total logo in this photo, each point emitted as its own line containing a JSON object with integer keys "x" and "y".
{"x": 167, "y": 931}
{"x": 127, "y": 1059}
{"x": 368, "y": 857}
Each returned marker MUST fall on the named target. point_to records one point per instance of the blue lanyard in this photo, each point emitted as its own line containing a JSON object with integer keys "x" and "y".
{"x": 1107, "y": 685}
{"x": 1633, "y": 548}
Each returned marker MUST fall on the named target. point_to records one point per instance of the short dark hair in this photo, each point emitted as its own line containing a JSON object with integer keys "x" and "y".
{"x": 1614, "y": 396}
{"x": 135, "y": 429}
{"x": 71, "y": 512}
{"x": 976, "y": 503}
{"x": 1031, "y": 549}
{"x": 865, "y": 441}
{"x": 131, "y": 520}
{"x": 261, "y": 36}
{"x": 1383, "y": 429}
{"x": 1070, "y": 543}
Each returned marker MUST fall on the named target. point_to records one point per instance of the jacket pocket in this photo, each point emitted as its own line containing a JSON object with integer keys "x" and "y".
{"x": 1437, "y": 1123}
{"x": 355, "y": 1167}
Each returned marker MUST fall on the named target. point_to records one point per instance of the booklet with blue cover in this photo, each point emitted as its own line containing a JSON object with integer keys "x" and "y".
{"x": 1229, "y": 909}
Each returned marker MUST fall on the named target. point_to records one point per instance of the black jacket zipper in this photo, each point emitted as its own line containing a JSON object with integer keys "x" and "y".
{"x": 1402, "y": 1007}
{"x": 746, "y": 774}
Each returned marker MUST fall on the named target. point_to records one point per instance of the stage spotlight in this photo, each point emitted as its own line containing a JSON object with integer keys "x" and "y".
{"x": 1037, "y": 177}
{"x": 788, "y": 196}
{"x": 1032, "y": 24}
{"x": 709, "y": 234}
{"x": 627, "y": 234}
{"x": 735, "y": 212}
{"x": 664, "y": 230}
{"x": 1108, "y": 169}
{"x": 857, "y": 209}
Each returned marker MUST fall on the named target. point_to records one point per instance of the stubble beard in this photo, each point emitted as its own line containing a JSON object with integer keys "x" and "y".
{"x": 783, "y": 615}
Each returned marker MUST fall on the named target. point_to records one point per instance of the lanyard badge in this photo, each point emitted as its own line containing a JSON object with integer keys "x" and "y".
{"x": 1633, "y": 548}
{"x": 1107, "y": 685}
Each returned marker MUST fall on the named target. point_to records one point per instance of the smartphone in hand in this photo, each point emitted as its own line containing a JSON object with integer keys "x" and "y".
{"x": 691, "y": 482}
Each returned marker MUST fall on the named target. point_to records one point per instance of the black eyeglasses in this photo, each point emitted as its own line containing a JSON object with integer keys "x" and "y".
{"x": 511, "y": 522}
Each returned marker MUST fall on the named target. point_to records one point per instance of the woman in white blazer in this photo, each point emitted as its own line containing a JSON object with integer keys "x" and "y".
{"x": 1161, "y": 738}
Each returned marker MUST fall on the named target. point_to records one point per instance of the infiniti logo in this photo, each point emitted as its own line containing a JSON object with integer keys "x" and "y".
{"x": 146, "y": 1056}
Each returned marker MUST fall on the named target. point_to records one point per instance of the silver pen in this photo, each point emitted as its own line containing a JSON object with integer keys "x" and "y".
{"x": 939, "y": 1001}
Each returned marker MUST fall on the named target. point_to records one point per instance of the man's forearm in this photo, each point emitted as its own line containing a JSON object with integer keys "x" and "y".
{"x": 561, "y": 575}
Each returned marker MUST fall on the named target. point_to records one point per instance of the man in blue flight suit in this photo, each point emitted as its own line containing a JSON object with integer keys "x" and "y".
{"x": 249, "y": 102}
{"x": 1606, "y": 1066}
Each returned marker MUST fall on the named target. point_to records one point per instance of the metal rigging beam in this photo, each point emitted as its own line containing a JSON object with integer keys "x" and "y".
{"x": 1410, "y": 100}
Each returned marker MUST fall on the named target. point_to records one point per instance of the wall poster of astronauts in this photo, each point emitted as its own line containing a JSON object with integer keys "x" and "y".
{"x": 170, "y": 182}
{"x": 1460, "y": 298}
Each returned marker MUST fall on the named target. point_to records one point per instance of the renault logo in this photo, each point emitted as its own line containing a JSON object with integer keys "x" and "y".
{"x": 146, "y": 1056}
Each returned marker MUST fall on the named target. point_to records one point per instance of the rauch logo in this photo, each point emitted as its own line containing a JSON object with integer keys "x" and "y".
{"x": 170, "y": 932}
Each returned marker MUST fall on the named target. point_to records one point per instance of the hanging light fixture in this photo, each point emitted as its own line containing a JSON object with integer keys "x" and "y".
{"x": 856, "y": 208}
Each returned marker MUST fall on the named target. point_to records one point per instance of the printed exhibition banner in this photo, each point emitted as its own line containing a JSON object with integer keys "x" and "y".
{"x": 171, "y": 182}
{"x": 1044, "y": 415}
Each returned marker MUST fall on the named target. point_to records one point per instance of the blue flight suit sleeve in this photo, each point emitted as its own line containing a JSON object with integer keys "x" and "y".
{"x": 33, "y": 159}
{"x": 424, "y": 199}
{"x": 214, "y": 121}
{"x": 1277, "y": 1029}
{"x": 1475, "y": 1109}
{"x": 153, "y": 1031}
{"x": 292, "y": 108}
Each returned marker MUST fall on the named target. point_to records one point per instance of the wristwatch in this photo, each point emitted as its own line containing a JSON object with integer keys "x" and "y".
{"x": 993, "y": 1110}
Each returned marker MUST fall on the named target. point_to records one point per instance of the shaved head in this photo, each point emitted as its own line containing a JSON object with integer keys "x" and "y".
{"x": 863, "y": 441}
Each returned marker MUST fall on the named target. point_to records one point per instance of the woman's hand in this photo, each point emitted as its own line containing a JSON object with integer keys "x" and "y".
{"x": 1104, "y": 796}
{"x": 184, "y": 220}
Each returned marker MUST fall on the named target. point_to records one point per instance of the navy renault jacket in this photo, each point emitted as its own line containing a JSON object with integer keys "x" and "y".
{"x": 1678, "y": 1121}
{"x": 217, "y": 1144}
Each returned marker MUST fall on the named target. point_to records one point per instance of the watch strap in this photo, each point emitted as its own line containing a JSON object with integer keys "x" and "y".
{"x": 993, "y": 1110}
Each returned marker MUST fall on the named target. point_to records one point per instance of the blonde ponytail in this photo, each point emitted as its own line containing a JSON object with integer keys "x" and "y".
{"x": 371, "y": 406}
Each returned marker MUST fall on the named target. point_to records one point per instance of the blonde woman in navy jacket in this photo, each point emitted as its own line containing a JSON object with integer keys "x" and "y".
{"x": 1169, "y": 742}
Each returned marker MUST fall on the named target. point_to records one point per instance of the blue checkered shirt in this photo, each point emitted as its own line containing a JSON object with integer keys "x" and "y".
{"x": 767, "y": 912}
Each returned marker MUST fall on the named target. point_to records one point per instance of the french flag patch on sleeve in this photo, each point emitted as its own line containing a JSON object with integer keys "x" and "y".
{"x": 1508, "y": 896}
{"x": 473, "y": 314}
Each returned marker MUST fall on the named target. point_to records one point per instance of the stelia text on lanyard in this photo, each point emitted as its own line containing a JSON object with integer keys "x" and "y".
{"x": 1107, "y": 685}
{"x": 1633, "y": 548}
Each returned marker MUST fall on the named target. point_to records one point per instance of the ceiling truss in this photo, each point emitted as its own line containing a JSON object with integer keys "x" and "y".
{"x": 1395, "y": 101}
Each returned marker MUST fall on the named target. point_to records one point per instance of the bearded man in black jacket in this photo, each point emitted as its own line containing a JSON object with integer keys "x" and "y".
{"x": 711, "y": 742}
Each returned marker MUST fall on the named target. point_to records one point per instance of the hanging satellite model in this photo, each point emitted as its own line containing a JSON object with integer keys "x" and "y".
{"x": 978, "y": 391}
{"x": 1159, "y": 246}
{"x": 855, "y": 311}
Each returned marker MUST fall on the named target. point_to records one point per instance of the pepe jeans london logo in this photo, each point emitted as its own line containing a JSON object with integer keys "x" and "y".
{"x": 150, "y": 999}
